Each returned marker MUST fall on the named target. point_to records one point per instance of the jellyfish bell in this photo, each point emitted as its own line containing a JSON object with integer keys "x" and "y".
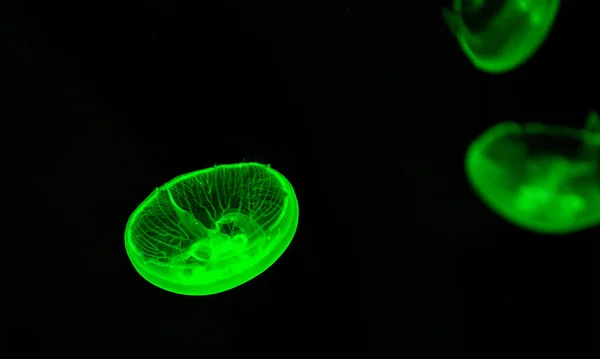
{"x": 540, "y": 177}
{"x": 500, "y": 35}
{"x": 211, "y": 230}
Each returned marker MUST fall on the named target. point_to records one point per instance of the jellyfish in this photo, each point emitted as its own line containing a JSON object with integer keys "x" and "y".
{"x": 500, "y": 35}
{"x": 211, "y": 230}
{"x": 543, "y": 178}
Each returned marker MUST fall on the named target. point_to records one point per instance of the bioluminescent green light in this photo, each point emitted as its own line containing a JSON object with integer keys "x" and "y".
{"x": 540, "y": 177}
{"x": 500, "y": 35}
{"x": 211, "y": 230}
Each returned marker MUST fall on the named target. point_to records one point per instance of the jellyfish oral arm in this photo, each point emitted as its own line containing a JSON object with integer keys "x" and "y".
{"x": 248, "y": 227}
{"x": 187, "y": 220}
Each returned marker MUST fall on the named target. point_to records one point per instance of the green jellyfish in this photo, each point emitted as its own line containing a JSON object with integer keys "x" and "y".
{"x": 211, "y": 230}
{"x": 500, "y": 35}
{"x": 542, "y": 178}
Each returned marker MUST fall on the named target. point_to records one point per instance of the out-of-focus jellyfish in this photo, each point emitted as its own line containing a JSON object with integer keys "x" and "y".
{"x": 543, "y": 178}
{"x": 211, "y": 230}
{"x": 500, "y": 35}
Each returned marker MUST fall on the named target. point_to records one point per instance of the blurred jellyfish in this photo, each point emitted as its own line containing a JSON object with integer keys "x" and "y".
{"x": 500, "y": 35}
{"x": 542, "y": 178}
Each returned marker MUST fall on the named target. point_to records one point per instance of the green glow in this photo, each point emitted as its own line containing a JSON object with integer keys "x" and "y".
{"x": 500, "y": 35}
{"x": 540, "y": 177}
{"x": 211, "y": 230}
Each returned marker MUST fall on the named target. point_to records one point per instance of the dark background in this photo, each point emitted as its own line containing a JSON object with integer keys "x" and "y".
{"x": 367, "y": 109}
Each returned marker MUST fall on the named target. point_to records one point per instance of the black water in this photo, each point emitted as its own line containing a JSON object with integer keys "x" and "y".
{"x": 367, "y": 110}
